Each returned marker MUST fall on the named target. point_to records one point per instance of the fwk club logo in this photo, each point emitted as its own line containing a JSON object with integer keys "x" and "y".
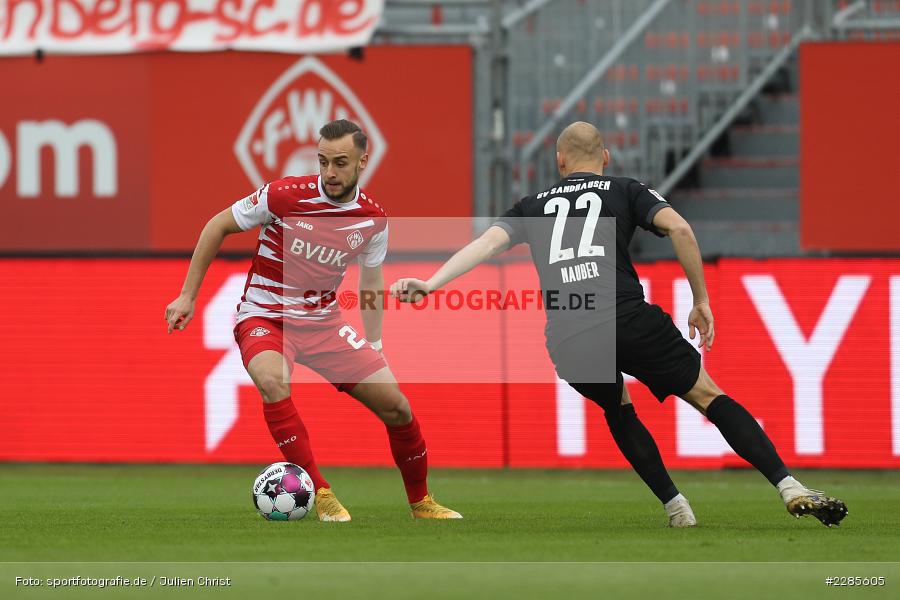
{"x": 355, "y": 239}
{"x": 281, "y": 135}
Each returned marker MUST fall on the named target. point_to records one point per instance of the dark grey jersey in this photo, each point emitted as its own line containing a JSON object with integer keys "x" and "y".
{"x": 578, "y": 232}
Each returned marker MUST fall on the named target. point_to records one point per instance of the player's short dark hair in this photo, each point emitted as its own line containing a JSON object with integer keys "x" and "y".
{"x": 337, "y": 129}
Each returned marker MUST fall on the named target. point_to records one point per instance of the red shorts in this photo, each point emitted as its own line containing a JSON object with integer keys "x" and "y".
{"x": 333, "y": 349}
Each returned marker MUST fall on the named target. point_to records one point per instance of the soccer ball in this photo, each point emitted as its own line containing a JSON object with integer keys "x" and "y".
{"x": 283, "y": 492}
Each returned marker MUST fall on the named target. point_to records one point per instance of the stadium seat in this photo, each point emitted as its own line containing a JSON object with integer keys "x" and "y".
{"x": 617, "y": 139}
{"x": 633, "y": 72}
{"x": 728, "y": 73}
{"x": 520, "y": 138}
{"x": 777, "y": 39}
{"x": 653, "y": 106}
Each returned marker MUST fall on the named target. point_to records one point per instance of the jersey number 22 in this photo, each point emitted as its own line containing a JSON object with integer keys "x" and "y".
{"x": 560, "y": 206}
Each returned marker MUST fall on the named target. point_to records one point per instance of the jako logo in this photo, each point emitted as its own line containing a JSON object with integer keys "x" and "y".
{"x": 290, "y": 440}
{"x": 304, "y": 225}
{"x": 281, "y": 135}
{"x": 32, "y": 137}
{"x": 417, "y": 456}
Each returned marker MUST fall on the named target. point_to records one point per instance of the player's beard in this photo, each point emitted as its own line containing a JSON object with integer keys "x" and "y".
{"x": 342, "y": 196}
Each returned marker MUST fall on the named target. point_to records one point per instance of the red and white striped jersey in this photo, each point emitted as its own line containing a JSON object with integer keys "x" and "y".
{"x": 305, "y": 243}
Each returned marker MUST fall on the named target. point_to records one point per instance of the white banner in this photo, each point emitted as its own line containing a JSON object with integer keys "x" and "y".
{"x": 122, "y": 26}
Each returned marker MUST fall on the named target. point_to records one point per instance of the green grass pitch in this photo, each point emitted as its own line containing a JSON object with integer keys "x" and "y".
{"x": 526, "y": 534}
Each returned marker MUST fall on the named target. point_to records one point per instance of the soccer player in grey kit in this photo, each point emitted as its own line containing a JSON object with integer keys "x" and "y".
{"x": 648, "y": 345}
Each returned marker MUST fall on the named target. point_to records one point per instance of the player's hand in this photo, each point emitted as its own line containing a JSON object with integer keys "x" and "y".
{"x": 701, "y": 319}
{"x": 179, "y": 313}
{"x": 410, "y": 289}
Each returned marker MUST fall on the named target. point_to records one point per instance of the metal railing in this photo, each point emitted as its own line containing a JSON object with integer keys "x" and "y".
{"x": 568, "y": 105}
{"x": 666, "y": 82}
{"x": 660, "y": 78}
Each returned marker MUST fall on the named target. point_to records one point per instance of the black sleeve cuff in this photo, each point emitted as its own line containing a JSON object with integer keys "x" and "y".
{"x": 510, "y": 230}
{"x": 652, "y": 213}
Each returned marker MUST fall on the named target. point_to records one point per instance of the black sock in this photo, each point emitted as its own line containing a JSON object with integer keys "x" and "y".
{"x": 746, "y": 437}
{"x": 640, "y": 449}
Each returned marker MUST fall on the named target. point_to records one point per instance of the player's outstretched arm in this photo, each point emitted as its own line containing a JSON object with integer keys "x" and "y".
{"x": 181, "y": 310}
{"x": 687, "y": 250}
{"x": 491, "y": 243}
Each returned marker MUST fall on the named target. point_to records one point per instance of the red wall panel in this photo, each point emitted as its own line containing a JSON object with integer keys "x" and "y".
{"x": 167, "y": 128}
{"x": 849, "y": 99}
{"x": 113, "y": 99}
{"x": 87, "y": 372}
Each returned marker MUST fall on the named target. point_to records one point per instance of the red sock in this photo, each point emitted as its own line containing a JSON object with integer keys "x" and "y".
{"x": 291, "y": 437}
{"x": 408, "y": 450}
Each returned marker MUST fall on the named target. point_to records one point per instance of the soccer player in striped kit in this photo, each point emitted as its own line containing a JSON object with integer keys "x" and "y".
{"x": 311, "y": 227}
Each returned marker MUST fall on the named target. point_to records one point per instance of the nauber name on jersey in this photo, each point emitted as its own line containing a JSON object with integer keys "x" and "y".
{"x": 587, "y": 270}
{"x": 322, "y": 254}
{"x": 594, "y": 184}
